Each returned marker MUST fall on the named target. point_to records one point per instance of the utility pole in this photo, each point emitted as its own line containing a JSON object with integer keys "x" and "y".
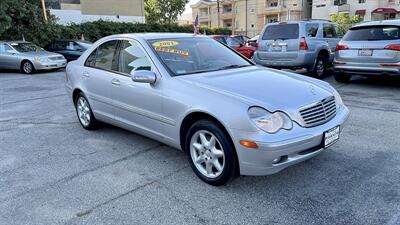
{"x": 44, "y": 11}
{"x": 246, "y": 19}
{"x": 218, "y": 12}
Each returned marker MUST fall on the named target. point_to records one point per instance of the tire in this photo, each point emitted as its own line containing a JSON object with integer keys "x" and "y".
{"x": 84, "y": 113}
{"x": 27, "y": 67}
{"x": 320, "y": 67}
{"x": 342, "y": 77}
{"x": 214, "y": 147}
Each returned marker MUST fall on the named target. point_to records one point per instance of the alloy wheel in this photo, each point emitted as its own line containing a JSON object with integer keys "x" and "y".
{"x": 207, "y": 154}
{"x": 83, "y": 110}
{"x": 27, "y": 67}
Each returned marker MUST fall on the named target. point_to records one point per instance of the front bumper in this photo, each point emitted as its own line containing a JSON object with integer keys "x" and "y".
{"x": 295, "y": 146}
{"x": 48, "y": 65}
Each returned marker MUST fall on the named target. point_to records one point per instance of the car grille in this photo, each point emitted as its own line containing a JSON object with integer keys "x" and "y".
{"x": 54, "y": 58}
{"x": 319, "y": 113}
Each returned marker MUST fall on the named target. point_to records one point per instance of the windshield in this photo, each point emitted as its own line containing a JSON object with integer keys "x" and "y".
{"x": 373, "y": 33}
{"x": 85, "y": 45}
{"x": 281, "y": 32}
{"x": 26, "y": 47}
{"x": 192, "y": 55}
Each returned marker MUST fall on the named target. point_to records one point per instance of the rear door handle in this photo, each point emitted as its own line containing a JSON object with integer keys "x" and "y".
{"x": 85, "y": 74}
{"x": 115, "y": 82}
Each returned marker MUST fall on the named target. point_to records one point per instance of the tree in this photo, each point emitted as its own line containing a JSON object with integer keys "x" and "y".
{"x": 163, "y": 11}
{"x": 24, "y": 18}
{"x": 342, "y": 18}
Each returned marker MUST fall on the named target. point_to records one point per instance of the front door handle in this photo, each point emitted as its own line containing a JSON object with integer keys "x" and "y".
{"x": 85, "y": 74}
{"x": 115, "y": 82}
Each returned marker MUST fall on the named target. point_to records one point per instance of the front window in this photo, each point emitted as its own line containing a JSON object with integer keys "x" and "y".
{"x": 184, "y": 56}
{"x": 26, "y": 47}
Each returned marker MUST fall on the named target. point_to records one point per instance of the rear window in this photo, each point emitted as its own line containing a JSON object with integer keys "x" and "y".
{"x": 281, "y": 32}
{"x": 373, "y": 33}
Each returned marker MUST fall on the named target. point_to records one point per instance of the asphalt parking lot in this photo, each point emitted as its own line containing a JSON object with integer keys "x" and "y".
{"x": 54, "y": 172}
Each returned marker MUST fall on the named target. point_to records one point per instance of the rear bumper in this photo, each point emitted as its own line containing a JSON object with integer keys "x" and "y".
{"x": 293, "y": 146}
{"x": 303, "y": 60}
{"x": 366, "y": 69}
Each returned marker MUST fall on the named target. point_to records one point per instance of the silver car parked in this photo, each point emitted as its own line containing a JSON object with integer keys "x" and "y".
{"x": 193, "y": 93}
{"x": 28, "y": 57}
{"x": 369, "y": 49}
{"x": 308, "y": 44}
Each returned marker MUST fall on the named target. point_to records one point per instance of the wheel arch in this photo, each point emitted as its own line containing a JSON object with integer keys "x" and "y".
{"x": 194, "y": 116}
{"x": 75, "y": 93}
{"x": 26, "y": 60}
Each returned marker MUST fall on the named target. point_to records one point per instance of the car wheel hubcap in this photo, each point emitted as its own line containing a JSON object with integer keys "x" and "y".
{"x": 207, "y": 154}
{"x": 320, "y": 67}
{"x": 27, "y": 67}
{"x": 83, "y": 111}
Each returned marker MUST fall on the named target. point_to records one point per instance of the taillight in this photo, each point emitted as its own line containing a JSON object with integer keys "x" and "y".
{"x": 256, "y": 45}
{"x": 395, "y": 47}
{"x": 303, "y": 44}
{"x": 341, "y": 47}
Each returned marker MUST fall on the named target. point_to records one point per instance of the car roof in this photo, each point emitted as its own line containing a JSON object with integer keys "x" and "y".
{"x": 380, "y": 22}
{"x": 17, "y": 42}
{"x": 302, "y": 22}
{"x": 149, "y": 36}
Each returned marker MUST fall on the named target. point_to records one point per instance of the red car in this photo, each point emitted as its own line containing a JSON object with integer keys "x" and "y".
{"x": 234, "y": 43}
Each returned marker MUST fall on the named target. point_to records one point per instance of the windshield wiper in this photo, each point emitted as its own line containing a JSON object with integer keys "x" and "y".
{"x": 233, "y": 66}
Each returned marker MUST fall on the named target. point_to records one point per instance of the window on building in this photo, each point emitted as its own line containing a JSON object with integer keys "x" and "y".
{"x": 339, "y": 2}
{"x": 237, "y": 24}
{"x": 361, "y": 1}
{"x": 252, "y": 10}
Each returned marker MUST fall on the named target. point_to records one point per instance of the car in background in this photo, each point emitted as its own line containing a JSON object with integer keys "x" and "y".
{"x": 308, "y": 44}
{"x": 70, "y": 49}
{"x": 253, "y": 41}
{"x": 369, "y": 49}
{"x": 28, "y": 57}
{"x": 242, "y": 38}
{"x": 234, "y": 43}
{"x": 193, "y": 93}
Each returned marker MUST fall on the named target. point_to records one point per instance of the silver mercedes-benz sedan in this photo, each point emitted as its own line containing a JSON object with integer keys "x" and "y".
{"x": 195, "y": 94}
{"x": 27, "y": 57}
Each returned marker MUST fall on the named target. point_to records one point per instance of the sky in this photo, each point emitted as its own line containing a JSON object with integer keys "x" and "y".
{"x": 187, "y": 14}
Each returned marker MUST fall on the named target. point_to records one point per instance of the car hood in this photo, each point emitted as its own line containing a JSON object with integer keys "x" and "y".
{"x": 272, "y": 89}
{"x": 41, "y": 54}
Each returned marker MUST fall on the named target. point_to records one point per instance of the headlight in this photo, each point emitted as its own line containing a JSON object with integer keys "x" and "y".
{"x": 338, "y": 99}
{"x": 39, "y": 59}
{"x": 269, "y": 122}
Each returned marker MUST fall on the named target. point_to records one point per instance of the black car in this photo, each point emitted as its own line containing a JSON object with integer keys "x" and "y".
{"x": 70, "y": 49}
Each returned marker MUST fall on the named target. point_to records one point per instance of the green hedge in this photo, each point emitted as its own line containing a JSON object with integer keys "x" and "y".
{"x": 92, "y": 31}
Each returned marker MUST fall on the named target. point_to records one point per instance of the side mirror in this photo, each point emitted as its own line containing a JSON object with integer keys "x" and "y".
{"x": 144, "y": 76}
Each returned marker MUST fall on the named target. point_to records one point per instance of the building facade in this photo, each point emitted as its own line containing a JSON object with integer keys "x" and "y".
{"x": 249, "y": 16}
{"x": 366, "y": 9}
{"x": 79, "y": 11}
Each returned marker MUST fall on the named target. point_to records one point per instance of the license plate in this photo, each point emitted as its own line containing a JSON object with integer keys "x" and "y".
{"x": 276, "y": 48}
{"x": 365, "y": 52}
{"x": 331, "y": 136}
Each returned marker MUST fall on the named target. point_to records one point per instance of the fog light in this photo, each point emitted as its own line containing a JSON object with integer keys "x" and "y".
{"x": 276, "y": 160}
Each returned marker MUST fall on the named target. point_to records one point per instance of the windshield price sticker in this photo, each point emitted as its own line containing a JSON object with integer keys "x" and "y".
{"x": 165, "y": 43}
{"x": 170, "y": 50}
